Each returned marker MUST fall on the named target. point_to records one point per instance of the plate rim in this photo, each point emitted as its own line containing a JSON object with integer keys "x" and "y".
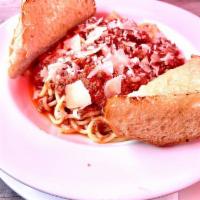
{"x": 10, "y": 19}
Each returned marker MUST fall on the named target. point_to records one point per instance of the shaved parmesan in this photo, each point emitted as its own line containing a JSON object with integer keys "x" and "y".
{"x": 156, "y": 70}
{"x": 63, "y": 59}
{"x": 106, "y": 51}
{"x": 94, "y": 25}
{"x": 130, "y": 72}
{"x": 154, "y": 58}
{"x": 84, "y": 54}
{"x": 115, "y": 24}
{"x": 75, "y": 114}
{"x": 135, "y": 60}
{"x": 73, "y": 43}
{"x": 52, "y": 69}
{"x": 130, "y": 44}
{"x": 95, "y": 34}
{"x": 106, "y": 67}
{"x": 145, "y": 65}
{"x": 167, "y": 57}
{"x": 119, "y": 59}
{"x": 113, "y": 86}
{"x": 129, "y": 25}
{"x": 146, "y": 47}
{"x": 77, "y": 96}
{"x": 44, "y": 73}
{"x": 71, "y": 71}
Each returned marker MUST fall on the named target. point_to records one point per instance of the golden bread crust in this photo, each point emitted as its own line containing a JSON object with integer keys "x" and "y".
{"x": 41, "y": 24}
{"x": 164, "y": 112}
{"x": 159, "y": 120}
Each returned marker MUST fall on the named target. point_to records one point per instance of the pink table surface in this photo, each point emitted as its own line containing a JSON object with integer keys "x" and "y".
{"x": 10, "y": 7}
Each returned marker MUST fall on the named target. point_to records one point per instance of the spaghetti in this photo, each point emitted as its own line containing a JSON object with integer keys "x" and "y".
{"x": 91, "y": 123}
{"x": 97, "y": 60}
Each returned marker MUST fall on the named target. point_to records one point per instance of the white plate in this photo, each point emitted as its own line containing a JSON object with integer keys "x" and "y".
{"x": 75, "y": 167}
{"x": 32, "y": 194}
{"x": 26, "y": 192}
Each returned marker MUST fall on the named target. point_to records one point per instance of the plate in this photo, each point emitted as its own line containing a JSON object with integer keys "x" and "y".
{"x": 29, "y": 193}
{"x": 26, "y": 192}
{"x": 74, "y": 167}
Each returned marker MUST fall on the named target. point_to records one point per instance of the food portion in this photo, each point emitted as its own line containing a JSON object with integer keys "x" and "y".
{"x": 41, "y": 24}
{"x": 166, "y": 111}
{"x": 97, "y": 60}
{"x": 182, "y": 80}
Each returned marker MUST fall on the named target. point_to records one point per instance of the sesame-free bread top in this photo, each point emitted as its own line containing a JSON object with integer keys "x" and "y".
{"x": 164, "y": 112}
{"x": 41, "y": 24}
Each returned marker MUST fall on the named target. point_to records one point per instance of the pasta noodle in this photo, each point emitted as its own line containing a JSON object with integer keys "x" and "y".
{"x": 70, "y": 122}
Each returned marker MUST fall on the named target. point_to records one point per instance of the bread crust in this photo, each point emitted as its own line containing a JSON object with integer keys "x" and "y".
{"x": 41, "y": 24}
{"x": 158, "y": 120}
{"x": 166, "y": 111}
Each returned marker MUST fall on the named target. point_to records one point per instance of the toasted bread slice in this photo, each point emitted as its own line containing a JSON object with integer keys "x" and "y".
{"x": 41, "y": 24}
{"x": 182, "y": 80}
{"x": 164, "y": 112}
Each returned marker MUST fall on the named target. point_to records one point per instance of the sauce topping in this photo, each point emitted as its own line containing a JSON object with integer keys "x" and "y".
{"x": 109, "y": 56}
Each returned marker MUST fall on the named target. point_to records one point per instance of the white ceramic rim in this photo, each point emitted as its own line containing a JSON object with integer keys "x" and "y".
{"x": 49, "y": 142}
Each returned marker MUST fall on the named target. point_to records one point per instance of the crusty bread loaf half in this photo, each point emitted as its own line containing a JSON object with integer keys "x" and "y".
{"x": 164, "y": 112}
{"x": 182, "y": 80}
{"x": 41, "y": 24}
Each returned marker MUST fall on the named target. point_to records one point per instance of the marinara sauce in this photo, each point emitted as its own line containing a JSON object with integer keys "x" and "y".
{"x": 110, "y": 56}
